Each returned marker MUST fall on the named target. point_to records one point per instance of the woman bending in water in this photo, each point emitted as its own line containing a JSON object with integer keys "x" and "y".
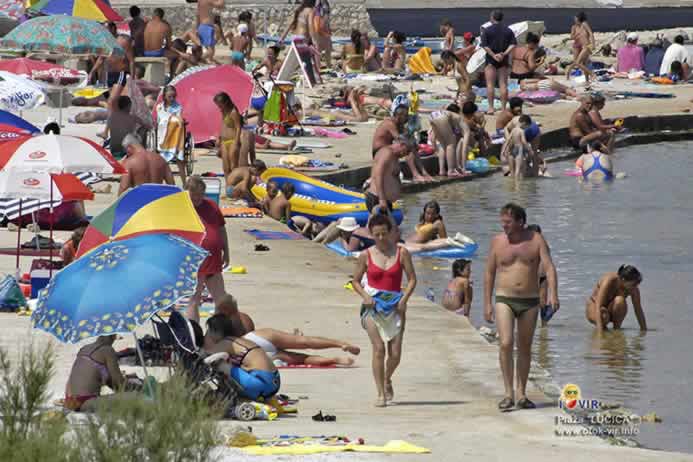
{"x": 608, "y": 301}
{"x": 459, "y": 293}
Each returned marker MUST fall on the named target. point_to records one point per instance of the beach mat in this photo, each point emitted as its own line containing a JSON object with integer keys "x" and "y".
{"x": 262, "y": 235}
{"x": 310, "y": 447}
{"x": 241, "y": 212}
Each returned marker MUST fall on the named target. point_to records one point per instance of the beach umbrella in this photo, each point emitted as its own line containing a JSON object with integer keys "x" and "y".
{"x": 18, "y": 93}
{"x": 62, "y": 34}
{"x": 146, "y": 209}
{"x": 57, "y": 154}
{"x": 196, "y": 88}
{"x": 96, "y": 10}
{"x": 11, "y": 9}
{"x": 13, "y": 127}
{"x": 40, "y": 186}
{"x": 118, "y": 286}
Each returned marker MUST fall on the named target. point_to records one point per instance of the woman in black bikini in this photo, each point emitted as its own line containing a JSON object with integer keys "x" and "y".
{"x": 607, "y": 304}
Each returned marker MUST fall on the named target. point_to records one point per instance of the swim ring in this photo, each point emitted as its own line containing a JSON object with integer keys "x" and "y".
{"x": 540, "y": 96}
{"x": 319, "y": 200}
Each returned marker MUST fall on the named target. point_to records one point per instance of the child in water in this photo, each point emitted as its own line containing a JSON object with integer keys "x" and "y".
{"x": 459, "y": 293}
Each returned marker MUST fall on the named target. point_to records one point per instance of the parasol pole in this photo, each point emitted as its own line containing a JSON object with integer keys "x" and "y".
{"x": 50, "y": 240}
{"x": 60, "y": 113}
{"x": 19, "y": 239}
{"x": 147, "y": 383}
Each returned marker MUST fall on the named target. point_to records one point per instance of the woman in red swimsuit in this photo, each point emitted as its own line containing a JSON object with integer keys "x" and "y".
{"x": 383, "y": 312}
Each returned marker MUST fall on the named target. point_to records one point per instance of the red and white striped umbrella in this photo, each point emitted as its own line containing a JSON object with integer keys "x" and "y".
{"x": 57, "y": 154}
{"x": 37, "y": 185}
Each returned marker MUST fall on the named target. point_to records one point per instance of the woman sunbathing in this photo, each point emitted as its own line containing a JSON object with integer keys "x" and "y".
{"x": 96, "y": 365}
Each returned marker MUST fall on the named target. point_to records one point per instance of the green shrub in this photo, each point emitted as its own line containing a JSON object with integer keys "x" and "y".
{"x": 27, "y": 431}
{"x": 173, "y": 427}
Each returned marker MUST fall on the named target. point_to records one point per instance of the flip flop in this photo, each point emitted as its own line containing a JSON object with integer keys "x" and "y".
{"x": 525, "y": 403}
{"x": 261, "y": 248}
{"x": 506, "y": 404}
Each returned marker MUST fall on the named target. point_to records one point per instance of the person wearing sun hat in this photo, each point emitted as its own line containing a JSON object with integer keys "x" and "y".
{"x": 631, "y": 56}
{"x": 350, "y": 241}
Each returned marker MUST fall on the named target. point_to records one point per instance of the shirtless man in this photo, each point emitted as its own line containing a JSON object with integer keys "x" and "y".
{"x": 205, "y": 26}
{"x": 507, "y": 115}
{"x": 515, "y": 256}
{"x": 157, "y": 37}
{"x": 242, "y": 179}
{"x": 384, "y": 184}
{"x": 241, "y": 41}
{"x": 580, "y": 128}
{"x": 143, "y": 166}
{"x": 394, "y": 128}
{"x": 137, "y": 26}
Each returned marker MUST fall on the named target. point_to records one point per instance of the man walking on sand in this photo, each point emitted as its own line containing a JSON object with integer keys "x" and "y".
{"x": 498, "y": 41}
{"x": 514, "y": 256}
{"x": 143, "y": 166}
{"x": 205, "y": 26}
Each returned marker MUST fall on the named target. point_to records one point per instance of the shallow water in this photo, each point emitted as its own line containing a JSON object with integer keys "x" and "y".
{"x": 645, "y": 220}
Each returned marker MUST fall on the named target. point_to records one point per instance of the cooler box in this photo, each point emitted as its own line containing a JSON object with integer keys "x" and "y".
{"x": 39, "y": 280}
{"x": 213, "y": 189}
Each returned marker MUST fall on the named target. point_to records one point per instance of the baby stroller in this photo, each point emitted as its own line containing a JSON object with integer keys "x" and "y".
{"x": 179, "y": 336}
{"x": 279, "y": 116}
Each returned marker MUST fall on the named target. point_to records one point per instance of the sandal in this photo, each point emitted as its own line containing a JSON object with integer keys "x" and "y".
{"x": 261, "y": 248}
{"x": 506, "y": 404}
{"x": 525, "y": 403}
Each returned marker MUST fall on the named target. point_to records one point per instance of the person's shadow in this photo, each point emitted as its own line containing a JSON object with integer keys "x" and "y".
{"x": 428, "y": 403}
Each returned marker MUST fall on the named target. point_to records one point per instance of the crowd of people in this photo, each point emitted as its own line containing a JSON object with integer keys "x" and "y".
{"x": 519, "y": 269}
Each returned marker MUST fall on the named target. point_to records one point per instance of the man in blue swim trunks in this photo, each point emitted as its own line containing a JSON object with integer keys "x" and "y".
{"x": 205, "y": 26}
{"x": 157, "y": 36}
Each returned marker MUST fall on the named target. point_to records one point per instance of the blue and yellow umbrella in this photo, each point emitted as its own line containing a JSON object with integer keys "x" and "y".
{"x": 118, "y": 286}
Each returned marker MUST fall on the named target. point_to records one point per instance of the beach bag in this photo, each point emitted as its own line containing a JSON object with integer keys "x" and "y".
{"x": 11, "y": 296}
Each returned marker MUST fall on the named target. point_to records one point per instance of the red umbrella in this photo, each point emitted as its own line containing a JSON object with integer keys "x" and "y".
{"x": 26, "y": 66}
{"x": 196, "y": 88}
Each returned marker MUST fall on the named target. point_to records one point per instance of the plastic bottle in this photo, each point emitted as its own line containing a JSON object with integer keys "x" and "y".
{"x": 430, "y": 295}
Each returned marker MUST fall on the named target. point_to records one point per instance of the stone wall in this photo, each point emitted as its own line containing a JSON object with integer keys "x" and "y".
{"x": 269, "y": 17}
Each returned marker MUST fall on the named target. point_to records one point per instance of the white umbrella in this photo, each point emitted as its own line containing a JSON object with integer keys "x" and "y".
{"x": 19, "y": 93}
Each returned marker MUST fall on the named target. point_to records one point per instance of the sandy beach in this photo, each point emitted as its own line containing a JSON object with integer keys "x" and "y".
{"x": 448, "y": 385}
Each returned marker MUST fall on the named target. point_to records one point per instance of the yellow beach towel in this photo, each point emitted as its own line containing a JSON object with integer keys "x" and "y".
{"x": 421, "y": 62}
{"x": 392, "y": 447}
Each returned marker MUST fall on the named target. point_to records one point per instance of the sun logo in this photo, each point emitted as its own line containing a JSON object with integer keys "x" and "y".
{"x": 570, "y": 396}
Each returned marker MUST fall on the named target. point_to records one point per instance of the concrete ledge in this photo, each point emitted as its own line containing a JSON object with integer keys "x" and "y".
{"x": 644, "y": 130}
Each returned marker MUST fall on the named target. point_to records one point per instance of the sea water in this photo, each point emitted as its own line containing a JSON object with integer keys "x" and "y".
{"x": 645, "y": 220}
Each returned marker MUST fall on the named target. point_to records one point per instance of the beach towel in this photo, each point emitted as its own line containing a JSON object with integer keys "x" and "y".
{"x": 262, "y": 235}
{"x": 639, "y": 94}
{"x": 241, "y": 212}
{"x": 170, "y": 132}
{"x": 421, "y": 62}
{"x": 310, "y": 447}
{"x": 320, "y": 131}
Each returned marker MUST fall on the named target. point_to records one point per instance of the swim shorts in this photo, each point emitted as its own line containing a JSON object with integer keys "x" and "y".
{"x": 532, "y": 132}
{"x": 518, "y": 305}
{"x": 119, "y": 78}
{"x": 575, "y": 143}
{"x": 255, "y": 384}
{"x": 154, "y": 53}
{"x": 258, "y": 102}
{"x": 206, "y": 34}
{"x": 521, "y": 77}
{"x": 372, "y": 201}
